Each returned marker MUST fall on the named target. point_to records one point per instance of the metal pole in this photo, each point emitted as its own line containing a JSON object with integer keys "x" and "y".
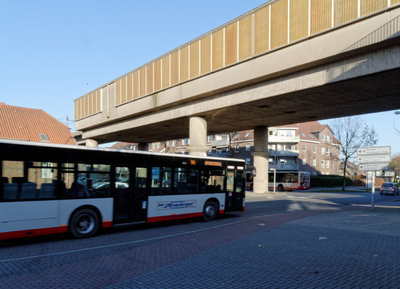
{"x": 274, "y": 180}
{"x": 373, "y": 192}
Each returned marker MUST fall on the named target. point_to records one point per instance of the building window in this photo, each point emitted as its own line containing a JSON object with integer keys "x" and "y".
{"x": 185, "y": 141}
{"x": 44, "y": 137}
{"x": 328, "y": 139}
{"x": 314, "y": 149}
{"x": 304, "y": 148}
{"x": 304, "y": 161}
{"x": 247, "y": 135}
{"x": 328, "y": 164}
{"x": 323, "y": 164}
{"x": 323, "y": 138}
{"x": 327, "y": 150}
{"x": 314, "y": 162}
{"x": 248, "y": 148}
{"x": 237, "y": 149}
{"x": 323, "y": 151}
{"x": 210, "y": 138}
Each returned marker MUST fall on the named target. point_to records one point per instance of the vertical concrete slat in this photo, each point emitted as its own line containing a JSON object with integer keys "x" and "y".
{"x": 206, "y": 54}
{"x": 174, "y": 68}
{"x": 320, "y": 15}
{"x": 231, "y": 44}
{"x": 142, "y": 81}
{"x": 298, "y": 19}
{"x": 217, "y": 49}
{"x": 129, "y": 87}
{"x": 165, "y": 72}
{"x": 123, "y": 90}
{"x": 118, "y": 92}
{"x": 183, "y": 64}
{"x": 194, "y": 59}
{"x": 157, "y": 75}
{"x": 261, "y": 31}
{"x": 279, "y": 23}
{"x": 136, "y": 84}
{"x": 149, "y": 78}
{"x": 345, "y": 11}
{"x": 370, "y": 6}
{"x": 245, "y": 37}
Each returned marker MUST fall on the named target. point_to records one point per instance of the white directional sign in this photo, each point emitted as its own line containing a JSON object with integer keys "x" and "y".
{"x": 368, "y": 159}
{"x": 373, "y": 158}
{"x": 374, "y": 151}
{"x": 373, "y": 167}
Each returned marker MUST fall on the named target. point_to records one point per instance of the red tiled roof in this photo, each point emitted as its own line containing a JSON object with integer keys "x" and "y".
{"x": 20, "y": 123}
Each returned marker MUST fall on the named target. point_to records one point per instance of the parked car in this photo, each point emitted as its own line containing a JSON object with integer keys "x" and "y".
{"x": 389, "y": 189}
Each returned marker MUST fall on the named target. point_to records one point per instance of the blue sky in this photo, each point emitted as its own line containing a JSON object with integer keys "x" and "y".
{"x": 53, "y": 52}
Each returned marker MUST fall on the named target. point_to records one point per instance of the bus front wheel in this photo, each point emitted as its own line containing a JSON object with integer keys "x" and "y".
{"x": 210, "y": 211}
{"x": 84, "y": 223}
{"x": 280, "y": 188}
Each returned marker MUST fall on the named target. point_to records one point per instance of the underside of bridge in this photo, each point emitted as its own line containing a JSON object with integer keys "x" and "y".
{"x": 368, "y": 94}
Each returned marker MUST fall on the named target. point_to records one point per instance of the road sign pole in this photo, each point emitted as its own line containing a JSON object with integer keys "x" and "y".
{"x": 373, "y": 192}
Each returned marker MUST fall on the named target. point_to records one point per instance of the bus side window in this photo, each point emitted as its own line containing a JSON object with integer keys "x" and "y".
{"x": 239, "y": 181}
{"x": 161, "y": 180}
{"x": 141, "y": 178}
{"x": 185, "y": 181}
{"x": 212, "y": 181}
{"x": 11, "y": 172}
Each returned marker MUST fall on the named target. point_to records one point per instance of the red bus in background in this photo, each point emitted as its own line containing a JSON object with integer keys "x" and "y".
{"x": 285, "y": 181}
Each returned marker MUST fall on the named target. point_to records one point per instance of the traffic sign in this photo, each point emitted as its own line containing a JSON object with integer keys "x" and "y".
{"x": 373, "y": 167}
{"x": 389, "y": 174}
{"x": 374, "y": 150}
{"x": 368, "y": 159}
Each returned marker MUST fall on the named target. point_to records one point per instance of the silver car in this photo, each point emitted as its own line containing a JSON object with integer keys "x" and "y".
{"x": 389, "y": 189}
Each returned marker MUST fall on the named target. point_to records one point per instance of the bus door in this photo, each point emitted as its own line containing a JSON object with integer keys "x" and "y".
{"x": 234, "y": 190}
{"x": 130, "y": 194}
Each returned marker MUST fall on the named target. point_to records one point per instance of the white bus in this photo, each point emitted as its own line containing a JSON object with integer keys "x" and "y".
{"x": 47, "y": 189}
{"x": 285, "y": 180}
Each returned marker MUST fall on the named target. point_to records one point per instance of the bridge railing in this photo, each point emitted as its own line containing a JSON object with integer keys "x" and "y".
{"x": 269, "y": 27}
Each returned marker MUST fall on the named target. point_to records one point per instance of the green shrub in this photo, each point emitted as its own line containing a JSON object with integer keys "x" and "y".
{"x": 329, "y": 181}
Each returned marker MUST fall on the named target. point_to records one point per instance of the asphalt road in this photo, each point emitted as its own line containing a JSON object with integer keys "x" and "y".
{"x": 127, "y": 252}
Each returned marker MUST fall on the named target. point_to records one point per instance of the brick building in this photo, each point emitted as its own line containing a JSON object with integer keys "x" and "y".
{"x": 309, "y": 147}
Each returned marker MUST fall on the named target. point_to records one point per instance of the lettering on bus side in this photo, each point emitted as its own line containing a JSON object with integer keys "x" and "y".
{"x": 175, "y": 205}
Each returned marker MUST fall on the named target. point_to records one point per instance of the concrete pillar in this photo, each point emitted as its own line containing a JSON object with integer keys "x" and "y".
{"x": 198, "y": 136}
{"x": 260, "y": 160}
{"x": 143, "y": 146}
{"x": 92, "y": 143}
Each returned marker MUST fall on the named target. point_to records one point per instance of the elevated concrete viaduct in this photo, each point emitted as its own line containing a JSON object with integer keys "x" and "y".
{"x": 351, "y": 68}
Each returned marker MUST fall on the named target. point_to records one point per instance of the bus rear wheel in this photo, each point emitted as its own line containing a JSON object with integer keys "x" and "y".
{"x": 280, "y": 188}
{"x": 210, "y": 211}
{"x": 84, "y": 223}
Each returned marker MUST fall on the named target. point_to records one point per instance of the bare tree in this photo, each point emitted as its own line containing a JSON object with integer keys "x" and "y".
{"x": 352, "y": 133}
{"x": 394, "y": 165}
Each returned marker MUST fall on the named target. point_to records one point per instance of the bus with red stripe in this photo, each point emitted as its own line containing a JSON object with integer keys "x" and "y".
{"x": 48, "y": 189}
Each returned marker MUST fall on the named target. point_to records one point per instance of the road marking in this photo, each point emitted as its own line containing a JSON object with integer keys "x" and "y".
{"x": 124, "y": 243}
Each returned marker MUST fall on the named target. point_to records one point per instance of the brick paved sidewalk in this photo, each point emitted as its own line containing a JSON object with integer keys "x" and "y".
{"x": 356, "y": 248}
{"x": 352, "y": 248}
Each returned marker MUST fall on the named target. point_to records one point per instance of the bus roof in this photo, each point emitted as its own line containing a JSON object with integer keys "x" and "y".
{"x": 82, "y": 148}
